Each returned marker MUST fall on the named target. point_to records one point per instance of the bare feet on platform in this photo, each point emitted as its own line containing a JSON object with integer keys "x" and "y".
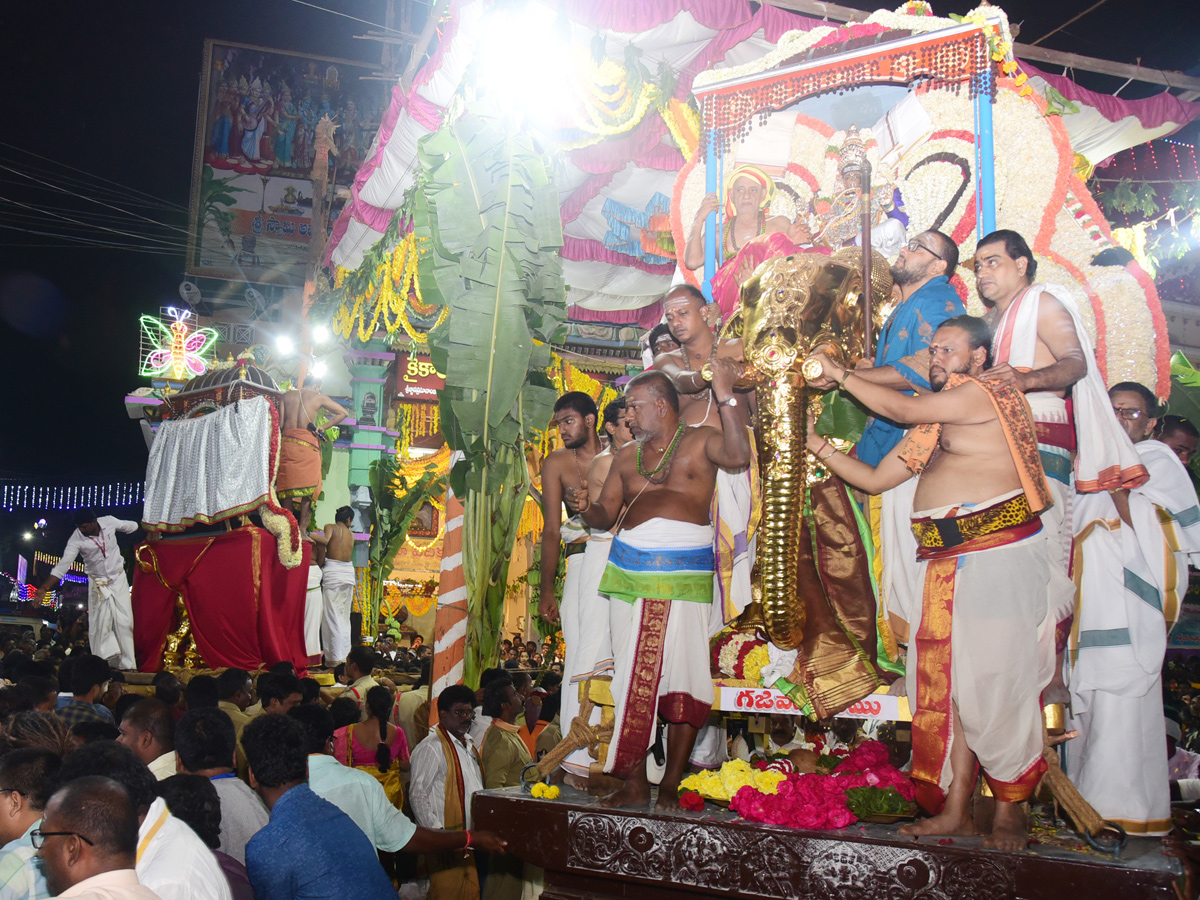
{"x": 574, "y": 781}
{"x": 668, "y": 796}
{"x": 633, "y": 793}
{"x": 945, "y": 824}
{"x": 1009, "y": 828}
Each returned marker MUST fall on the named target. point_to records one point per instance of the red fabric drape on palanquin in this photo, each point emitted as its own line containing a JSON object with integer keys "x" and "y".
{"x": 246, "y": 609}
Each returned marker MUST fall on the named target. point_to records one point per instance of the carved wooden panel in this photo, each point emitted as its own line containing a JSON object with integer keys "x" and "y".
{"x": 765, "y": 863}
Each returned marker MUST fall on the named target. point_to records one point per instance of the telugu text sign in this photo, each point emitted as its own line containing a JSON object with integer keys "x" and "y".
{"x": 762, "y": 701}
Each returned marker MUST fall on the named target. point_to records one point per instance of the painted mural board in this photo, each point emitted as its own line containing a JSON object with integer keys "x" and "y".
{"x": 251, "y": 200}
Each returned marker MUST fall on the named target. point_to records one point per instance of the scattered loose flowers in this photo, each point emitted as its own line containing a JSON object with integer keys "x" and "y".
{"x": 864, "y": 784}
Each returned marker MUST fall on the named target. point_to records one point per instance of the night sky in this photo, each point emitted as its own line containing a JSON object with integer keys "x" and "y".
{"x": 111, "y": 88}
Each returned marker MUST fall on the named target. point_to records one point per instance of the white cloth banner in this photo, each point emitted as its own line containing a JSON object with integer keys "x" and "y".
{"x": 211, "y": 468}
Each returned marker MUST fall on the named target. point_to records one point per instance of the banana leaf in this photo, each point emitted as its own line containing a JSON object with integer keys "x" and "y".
{"x": 1185, "y": 396}
{"x": 487, "y": 221}
{"x": 392, "y": 514}
{"x": 840, "y": 418}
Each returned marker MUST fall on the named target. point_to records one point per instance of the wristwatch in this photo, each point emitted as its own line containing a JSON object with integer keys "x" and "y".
{"x": 732, "y": 401}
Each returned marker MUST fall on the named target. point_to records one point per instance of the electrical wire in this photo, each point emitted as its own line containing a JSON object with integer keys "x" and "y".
{"x": 56, "y": 166}
{"x": 1069, "y": 21}
{"x": 347, "y": 16}
{"x": 96, "y": 242}
{"x": 60, "y": 190}
{"x": 165, "y": 241}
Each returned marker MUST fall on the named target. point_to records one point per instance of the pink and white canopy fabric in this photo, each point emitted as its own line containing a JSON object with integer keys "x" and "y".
{"x": 1105, "y": 125}
{"x": 625, "y": 172}
{"x": 609, "y": 189}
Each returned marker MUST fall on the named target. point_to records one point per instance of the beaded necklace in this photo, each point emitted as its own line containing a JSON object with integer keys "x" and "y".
{"x": 662, "y": 463}
{"x": 731, "y": 246}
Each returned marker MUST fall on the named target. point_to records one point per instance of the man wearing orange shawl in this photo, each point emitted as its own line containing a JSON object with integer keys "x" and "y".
{"x": 446, "y": 773}
{"x": 982, "y": 643}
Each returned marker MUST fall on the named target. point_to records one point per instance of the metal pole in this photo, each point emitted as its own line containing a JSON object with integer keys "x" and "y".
{"x": 864, "y": 200}
{"x": 985, "y": 160}
{"x": 710, "y": 224}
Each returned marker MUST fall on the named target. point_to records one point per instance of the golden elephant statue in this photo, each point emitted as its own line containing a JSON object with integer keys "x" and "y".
{"x": 811, "y": 581}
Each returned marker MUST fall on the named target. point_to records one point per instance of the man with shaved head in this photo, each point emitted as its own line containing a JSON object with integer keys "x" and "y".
{"x": 88, "y": 842}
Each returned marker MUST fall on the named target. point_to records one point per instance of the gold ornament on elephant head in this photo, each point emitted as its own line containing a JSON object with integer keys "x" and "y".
{"x": 791, "y": 307}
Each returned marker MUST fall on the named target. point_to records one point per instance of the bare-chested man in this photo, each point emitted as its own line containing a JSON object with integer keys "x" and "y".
{"x": 1040, "y": 347}
{"x": 337, "y": 586}
{"x": 584, "y": 625}
{"x": 596, "y": 639}
{"x": 684, "y": 309}
{"x": 661, "y": 568}
{"x": 299, "y": 478}
{"x": 977, "y": 659}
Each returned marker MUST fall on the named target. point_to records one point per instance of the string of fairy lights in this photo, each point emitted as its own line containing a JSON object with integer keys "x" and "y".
{"x": 15, "y": 496}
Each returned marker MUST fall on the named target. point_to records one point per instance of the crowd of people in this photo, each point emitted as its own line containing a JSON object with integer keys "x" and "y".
{"x": 1035, "y": 528}
{"x": 237, "y": 785}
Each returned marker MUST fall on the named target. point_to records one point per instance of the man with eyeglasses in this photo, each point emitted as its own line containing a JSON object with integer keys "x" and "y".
{"x": 921, "y": 273}
{"x": 26, "y": 777}
{"x": 88, "y": 842}
{"x": 446, "y": 773}
{"x": 1132, "y": 553}
{"x": 1040, "y": 346}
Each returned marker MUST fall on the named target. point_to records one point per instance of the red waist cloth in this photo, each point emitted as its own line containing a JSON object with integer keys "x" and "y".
{"x": 1058, "y": 434}
{"x": 246, "y": 609}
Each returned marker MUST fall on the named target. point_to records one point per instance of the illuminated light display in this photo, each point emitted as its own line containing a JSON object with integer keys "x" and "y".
{"x": 178, "y": 351}
{"x": 37, "y": 496}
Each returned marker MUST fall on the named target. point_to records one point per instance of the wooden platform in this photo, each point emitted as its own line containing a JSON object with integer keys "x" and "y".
{"x": 592, "y": 852}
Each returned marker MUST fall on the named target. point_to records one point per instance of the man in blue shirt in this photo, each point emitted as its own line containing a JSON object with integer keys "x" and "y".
{"x": 26, "y": 778}
{"x": 922, "y": 272}
{"x": 310, "y": 850}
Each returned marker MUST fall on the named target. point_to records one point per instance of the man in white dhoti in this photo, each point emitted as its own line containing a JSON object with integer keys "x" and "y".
{"x": 314, "y": 604}
{"x": 110, "y": 615}
{"x": 977, "y": 660}
{"x": 337, "y": 586}
{"x": 1041, "y": 348}
{"x": 735, "y": 500}
{"x": 1132, "y": 550}
{"x": 661, "y": 568}
{"x": 584, "y": 622}
{"x": 596, "y": 637}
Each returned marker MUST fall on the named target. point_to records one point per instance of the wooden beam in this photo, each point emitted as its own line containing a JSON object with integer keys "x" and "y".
{"x": 821, "y": 10}
{"x": 838, "y": 13}
{"x": 1107, "y": 67}
{"x": 404, "y": 39}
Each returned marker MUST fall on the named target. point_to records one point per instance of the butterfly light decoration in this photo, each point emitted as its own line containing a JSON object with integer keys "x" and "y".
{"x": 178, "y": 350}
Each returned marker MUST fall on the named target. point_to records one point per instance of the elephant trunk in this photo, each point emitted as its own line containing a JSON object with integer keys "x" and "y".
{"x": 782, "y": 406}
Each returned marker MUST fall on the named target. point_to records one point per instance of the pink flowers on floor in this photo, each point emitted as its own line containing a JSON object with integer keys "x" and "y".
{"x": 801, "y": 801}
{"x": 819, "y": 801}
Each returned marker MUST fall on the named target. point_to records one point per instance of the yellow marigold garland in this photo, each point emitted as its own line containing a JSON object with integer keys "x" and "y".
{"x": 394, "y": 288}
{"x": 684, "y": 125}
